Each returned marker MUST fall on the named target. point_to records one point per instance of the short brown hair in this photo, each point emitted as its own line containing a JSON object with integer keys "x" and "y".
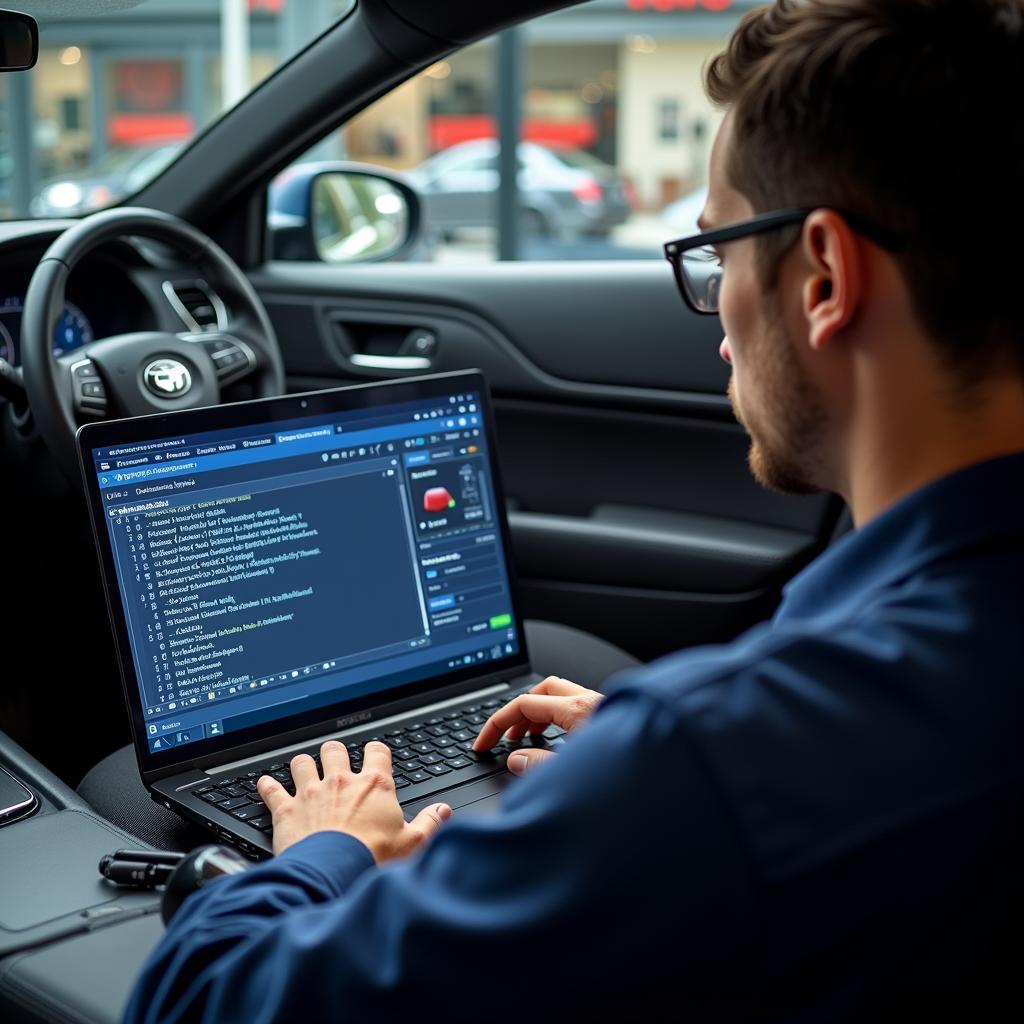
{"x": 906, "y": 112}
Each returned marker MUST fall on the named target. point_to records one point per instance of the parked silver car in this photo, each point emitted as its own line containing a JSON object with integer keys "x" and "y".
{"x": 121, "y": 173}
{"x": 681, "y": 215}
{"x": 563, "y": 193}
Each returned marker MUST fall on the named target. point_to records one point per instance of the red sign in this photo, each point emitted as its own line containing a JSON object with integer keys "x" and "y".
{"x": 679, "y": 5}
{"x": 137, "y": 129}
{"x": 148, "y": 85}
{"x": 148, "y": 102}
{"x": 448, "y": 129}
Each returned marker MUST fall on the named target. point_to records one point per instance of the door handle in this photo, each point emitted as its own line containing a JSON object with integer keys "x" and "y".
{"x": 375, "y": 362}
{"x": 373, "y": 345}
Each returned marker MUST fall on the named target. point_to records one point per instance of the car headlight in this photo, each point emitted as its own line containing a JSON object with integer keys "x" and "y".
{"x": 65, "y": 195}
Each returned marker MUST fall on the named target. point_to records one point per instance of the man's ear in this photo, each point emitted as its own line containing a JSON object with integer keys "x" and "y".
{"x": 832, "y": 288}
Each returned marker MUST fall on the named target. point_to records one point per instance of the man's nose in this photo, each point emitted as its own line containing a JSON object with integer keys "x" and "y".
{"x": 724, "y": 352}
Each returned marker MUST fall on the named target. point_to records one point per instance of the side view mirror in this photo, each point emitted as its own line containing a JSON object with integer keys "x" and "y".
{"x": 19, "y": 41}
{"x": 340, "y": 212}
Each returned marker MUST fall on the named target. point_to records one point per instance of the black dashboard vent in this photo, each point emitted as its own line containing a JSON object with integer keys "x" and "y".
{"x": 200, "y": 308}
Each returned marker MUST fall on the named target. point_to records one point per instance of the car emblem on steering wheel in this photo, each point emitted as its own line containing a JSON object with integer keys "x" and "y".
{"x": 167, "y": 378}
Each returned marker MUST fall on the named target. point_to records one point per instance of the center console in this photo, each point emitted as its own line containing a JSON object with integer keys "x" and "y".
{"x": 71, "y": 943}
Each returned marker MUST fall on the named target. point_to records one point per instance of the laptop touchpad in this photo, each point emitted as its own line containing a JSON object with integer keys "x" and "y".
{"x": 476, "y": 798}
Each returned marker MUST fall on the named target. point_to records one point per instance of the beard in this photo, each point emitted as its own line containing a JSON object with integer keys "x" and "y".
{"x": 788, "y": 430}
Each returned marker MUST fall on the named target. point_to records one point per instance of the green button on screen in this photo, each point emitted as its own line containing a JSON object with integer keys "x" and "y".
{"x": 500, "y": 621}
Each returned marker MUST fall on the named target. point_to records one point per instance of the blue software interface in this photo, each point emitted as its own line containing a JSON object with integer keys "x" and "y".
{"x": 273, "y": 570}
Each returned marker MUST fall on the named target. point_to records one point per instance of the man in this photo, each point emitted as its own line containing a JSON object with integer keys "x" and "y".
{"x": 820, "y": 821}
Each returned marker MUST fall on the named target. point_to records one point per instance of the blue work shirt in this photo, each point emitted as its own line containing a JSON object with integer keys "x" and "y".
{"x": 819, "y": 821}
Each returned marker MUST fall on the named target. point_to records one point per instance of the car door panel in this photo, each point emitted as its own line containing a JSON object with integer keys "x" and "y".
{"x": 629, "y": 545}
{"x": 632, "y": 509}
{"x": 621, "y": 325}
{"x": 647, "y": 528}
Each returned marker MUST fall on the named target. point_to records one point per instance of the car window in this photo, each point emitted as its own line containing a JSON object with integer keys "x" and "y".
{"x": 114, "y": 97}
{"x": 613, "y": 141}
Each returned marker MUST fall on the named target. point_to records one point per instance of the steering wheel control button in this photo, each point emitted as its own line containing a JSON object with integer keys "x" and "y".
{"x": 229, "y": 358}
{"x": 167, "y": 378}
{"x": 90, "y": 396}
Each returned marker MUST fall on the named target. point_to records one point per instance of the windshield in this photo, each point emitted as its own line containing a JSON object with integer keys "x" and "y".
{"x": 121, "y": 86}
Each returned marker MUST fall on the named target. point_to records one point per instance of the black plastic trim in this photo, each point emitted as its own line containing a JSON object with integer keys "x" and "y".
{"x": 656, "y": 548}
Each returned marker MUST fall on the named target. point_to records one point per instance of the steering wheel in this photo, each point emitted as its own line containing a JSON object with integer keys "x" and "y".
{"x": 143, "y": 372}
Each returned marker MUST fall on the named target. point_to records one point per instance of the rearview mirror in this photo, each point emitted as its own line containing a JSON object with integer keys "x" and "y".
{"x": 19, "y": 41}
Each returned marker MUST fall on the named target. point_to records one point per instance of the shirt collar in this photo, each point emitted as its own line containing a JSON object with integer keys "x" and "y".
{"x": 979, "y": 503}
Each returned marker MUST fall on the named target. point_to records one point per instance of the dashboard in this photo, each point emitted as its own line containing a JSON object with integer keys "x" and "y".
{"x": 103, "y": 298}
{"x": 73, "y": 330}
{"x": 117, "y": 289}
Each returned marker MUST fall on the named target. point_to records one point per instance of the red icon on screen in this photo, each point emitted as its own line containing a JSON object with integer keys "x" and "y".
{"x": 437, "y": 499}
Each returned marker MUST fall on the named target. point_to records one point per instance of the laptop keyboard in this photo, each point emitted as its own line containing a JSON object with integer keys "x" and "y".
{"x": 427, "y": 755}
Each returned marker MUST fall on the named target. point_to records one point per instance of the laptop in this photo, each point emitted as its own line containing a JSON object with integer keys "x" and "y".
{"x": 329, "y": 565}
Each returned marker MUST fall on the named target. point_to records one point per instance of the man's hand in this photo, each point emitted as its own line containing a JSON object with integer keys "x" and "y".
{"x": 552, "y": 701}
{"x": 364, "y": 805}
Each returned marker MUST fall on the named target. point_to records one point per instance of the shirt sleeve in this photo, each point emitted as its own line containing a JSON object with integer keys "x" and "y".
{"x": 612, "y": 870}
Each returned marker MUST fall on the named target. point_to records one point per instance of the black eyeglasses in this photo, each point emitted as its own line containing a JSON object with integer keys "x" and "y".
{"x": 698, "y": 267}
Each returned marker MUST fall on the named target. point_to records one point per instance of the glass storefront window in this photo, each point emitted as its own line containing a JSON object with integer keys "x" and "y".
{"x": 611, "y": 152}
{"x": 113, "y": 98}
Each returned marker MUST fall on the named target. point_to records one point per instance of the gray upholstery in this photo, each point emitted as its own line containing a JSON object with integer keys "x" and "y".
{"x": 85, "y": 979}
{"x": 114, "y": 788}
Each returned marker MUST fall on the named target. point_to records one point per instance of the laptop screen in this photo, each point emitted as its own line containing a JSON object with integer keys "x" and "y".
{"x": 268, "y": 570}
